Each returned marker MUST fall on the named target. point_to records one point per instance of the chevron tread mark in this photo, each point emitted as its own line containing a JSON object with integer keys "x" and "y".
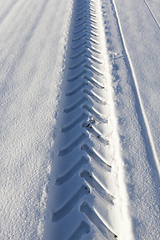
{"x": 83, "y": 167}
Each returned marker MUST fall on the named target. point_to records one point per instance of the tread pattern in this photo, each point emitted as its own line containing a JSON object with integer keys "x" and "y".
{"x": 82, "y": 187}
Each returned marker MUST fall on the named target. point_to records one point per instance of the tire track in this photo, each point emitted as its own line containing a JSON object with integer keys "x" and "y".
{"x": 151, "y": 12}
{"x": 142, "y": 118}
{"x": 82, "y": 202}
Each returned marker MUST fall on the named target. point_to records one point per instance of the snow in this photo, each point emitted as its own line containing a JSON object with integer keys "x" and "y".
{"x": 35, "y": 37}
{"x": 31, "y": 76}
{"x": 138, "y": 111}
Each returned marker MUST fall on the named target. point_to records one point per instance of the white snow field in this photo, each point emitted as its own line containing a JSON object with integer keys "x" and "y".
{"x": 79, "y": 119}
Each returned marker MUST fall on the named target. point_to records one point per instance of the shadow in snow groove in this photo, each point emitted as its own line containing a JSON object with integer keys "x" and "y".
{"x": 142, "y": 118}
{"x": 82, "y": 161}
{"x": 7, "y": 11}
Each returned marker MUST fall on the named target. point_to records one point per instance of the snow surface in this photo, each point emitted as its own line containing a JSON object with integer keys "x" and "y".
{"x": 139, "y": 124}
{"x": 33, "y": 43}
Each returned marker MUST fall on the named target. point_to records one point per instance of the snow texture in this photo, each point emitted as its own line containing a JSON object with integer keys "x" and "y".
{"x": 35, "y": 46}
